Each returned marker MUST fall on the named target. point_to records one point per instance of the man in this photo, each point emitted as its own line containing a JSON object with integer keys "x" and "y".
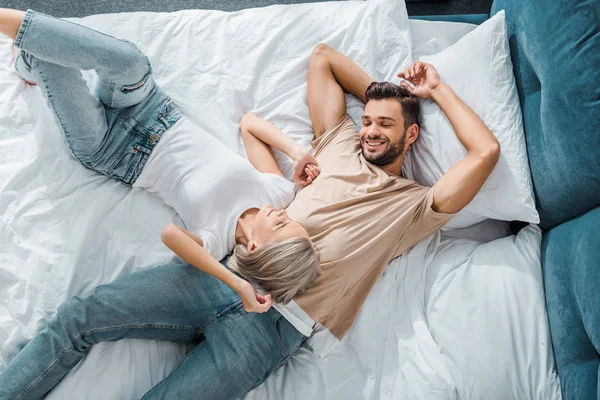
{"x": 360, "y": 212}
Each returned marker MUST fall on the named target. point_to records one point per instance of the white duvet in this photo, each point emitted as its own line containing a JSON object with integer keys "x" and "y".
{"x": 452, "y": 318}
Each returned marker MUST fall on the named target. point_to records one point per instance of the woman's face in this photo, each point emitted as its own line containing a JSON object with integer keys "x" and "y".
{"x": 273, "y": 225}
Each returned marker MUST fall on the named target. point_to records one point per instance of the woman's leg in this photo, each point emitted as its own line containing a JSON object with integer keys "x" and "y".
{"x": 172, "y": 303}
{"x": 124, "y": 71}
{"x": 240, "y": 351}
{"x": 81, "y": 117}
{"x": 53, "y": 52}
{"x": 10, "y": 20}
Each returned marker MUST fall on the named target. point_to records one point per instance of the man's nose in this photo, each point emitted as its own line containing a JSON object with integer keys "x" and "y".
{"x": 373, "y": 131}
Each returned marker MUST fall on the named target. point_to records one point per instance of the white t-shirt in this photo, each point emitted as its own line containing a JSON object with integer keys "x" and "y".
{"x": 209, "y": 185}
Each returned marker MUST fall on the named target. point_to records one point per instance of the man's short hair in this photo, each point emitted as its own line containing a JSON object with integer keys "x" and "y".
{"x": 409, "y": 104}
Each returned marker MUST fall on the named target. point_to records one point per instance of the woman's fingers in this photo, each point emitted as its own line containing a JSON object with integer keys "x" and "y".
{"x": 263, "y": 303}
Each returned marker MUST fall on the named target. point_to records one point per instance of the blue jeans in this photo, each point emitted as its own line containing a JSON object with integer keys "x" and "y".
{"x": 235, "y": 350}
{"x": 114, "y": 135}
{"x": 114, "y": 129}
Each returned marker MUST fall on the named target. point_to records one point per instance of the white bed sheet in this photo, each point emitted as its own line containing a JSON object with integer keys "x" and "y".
{"x": 394, "y": 350}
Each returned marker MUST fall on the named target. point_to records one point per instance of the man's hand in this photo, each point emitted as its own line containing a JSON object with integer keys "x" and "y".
{"x": 306, "y": 168}
{"x": 253, "y": 302}
{"x": 461, "y": 183}
{"x": 425, "y": 78}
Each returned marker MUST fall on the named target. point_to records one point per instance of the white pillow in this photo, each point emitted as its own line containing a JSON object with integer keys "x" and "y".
{"x": 486, "y": 311}
{"x": 479, "y": 70}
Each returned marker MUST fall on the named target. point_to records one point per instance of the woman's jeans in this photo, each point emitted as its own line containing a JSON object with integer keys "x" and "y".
{"x": 235, "y": 350}
{"x": 113, "y": 130}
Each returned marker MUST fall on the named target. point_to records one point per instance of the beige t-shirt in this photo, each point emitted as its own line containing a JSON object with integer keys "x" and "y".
{"x": 359, "y": 218}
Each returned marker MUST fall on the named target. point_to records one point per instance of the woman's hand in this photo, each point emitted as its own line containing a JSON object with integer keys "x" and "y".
{"x": 425, "y": 78}
{"x": 306, "y": 168}
{"x": 253, "y": 301}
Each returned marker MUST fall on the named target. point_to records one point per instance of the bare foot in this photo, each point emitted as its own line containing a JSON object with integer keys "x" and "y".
{"x": 15, "y": 51}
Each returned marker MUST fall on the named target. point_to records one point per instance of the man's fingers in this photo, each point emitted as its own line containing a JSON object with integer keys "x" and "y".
{"x": 414, "y": 71}
{"x": 307, "y": 170}
{"x": 406, "y": 86}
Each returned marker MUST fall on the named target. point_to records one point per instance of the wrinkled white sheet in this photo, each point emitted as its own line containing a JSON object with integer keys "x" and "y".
{"x": 65, "y": 230}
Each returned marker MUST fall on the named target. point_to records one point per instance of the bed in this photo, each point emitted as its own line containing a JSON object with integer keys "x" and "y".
{"x": 461, "y": 315}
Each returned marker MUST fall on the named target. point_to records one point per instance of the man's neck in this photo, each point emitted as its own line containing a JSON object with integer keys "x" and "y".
{"x": 395, "y": 168}
{"x": 242, "y": 229}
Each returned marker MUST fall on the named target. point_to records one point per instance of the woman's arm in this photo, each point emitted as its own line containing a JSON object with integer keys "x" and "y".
{"x": 190, "y": 234}
{"x": 259, "y": 135}
{"x": 260, "y": 153}
{"x": 185, "y": 245}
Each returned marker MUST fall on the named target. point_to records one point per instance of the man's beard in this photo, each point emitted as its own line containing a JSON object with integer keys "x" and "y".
{"x": 392, "y": 153}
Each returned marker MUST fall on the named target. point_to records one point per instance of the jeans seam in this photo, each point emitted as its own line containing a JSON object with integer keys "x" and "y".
{"x": 135, "y": 86}
{"x": 55, "y": 112}
{"x": 23, "y": 28}
{"x": 282, "y": 347}
{"x": 111, "y": 90}
{"x": 135, "y": 326}
{"x": 218, "y": 315}
{"x": 37, "y": 380}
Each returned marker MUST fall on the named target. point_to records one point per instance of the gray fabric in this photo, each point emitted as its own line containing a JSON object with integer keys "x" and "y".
{"x": 79, "y": 8}
{"x": 449, "y": 7}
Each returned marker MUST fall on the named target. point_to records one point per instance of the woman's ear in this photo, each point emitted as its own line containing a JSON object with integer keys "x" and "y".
{"x": 252, "y": 247}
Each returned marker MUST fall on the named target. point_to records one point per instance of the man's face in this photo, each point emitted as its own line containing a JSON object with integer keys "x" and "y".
{"x": 382, "y": 136}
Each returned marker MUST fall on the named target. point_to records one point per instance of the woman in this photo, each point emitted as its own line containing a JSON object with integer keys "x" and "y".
{"x": 131, "y": 131}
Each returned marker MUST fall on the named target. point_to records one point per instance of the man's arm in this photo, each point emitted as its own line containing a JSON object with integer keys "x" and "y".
{"x": 329, "y": 75}
{"x": 461, "y": 183}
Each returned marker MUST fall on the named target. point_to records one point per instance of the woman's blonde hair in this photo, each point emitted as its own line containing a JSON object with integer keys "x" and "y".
{"x": 282, "y": 269}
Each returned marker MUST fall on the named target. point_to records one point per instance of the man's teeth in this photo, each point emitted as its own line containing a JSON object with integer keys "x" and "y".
{"x": 374, "y": 144}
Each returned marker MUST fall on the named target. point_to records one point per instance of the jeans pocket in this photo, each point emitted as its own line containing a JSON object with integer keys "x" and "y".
{"x": 126, "y": 165}
{"x": 129, "y": 88}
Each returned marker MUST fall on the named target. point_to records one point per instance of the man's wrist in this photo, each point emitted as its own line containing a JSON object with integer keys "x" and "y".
{"x": 440, "y": 91}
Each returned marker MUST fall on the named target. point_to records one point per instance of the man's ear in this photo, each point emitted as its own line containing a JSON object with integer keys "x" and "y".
{"x": 252, "y": 247}
{"x": 412, "y": 133}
